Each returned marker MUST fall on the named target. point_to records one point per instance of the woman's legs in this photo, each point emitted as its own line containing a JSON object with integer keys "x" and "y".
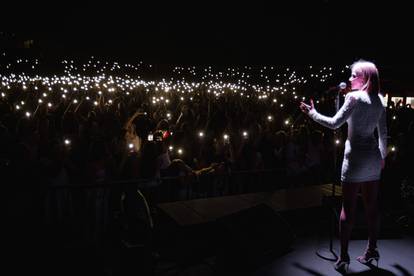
{"x": 370, "y": 197}
{"x": 347, "y": 218}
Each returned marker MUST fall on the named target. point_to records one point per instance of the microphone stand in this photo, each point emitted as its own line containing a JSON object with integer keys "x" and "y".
{"x": 331, "y": 202}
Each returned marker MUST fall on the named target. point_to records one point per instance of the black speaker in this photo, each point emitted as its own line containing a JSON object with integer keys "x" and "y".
{"x": 254, "y": 235}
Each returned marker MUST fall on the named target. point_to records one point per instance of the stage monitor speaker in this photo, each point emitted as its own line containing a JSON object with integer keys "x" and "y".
{"x": 254, "y": 235}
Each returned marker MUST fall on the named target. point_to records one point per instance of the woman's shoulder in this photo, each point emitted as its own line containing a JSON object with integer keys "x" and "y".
{"x": 356, "y": 94}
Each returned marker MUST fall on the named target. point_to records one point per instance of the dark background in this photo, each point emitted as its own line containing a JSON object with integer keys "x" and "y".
{"x": 283, "y": 32}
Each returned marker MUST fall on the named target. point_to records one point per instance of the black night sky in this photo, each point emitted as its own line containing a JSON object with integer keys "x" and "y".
{"x": 289, "y": 32}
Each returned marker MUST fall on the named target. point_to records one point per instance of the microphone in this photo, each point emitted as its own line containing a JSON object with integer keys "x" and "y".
{"x": 342, "y": 85}
{"x": 338, "y": 99}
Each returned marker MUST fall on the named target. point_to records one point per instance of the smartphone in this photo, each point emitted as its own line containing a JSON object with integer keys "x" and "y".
{"x": 150, "y": 137}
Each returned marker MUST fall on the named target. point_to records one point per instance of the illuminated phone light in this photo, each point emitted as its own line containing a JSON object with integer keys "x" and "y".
{"x": 274, "y": 100}
{"x": 170, "y": 148}
{"x": 3, "y": 95}
{"x": 394, "y": 117}
{"x": 281, "y": 105}
{"x": 180, "y": 151}
{"x": 22, "y": 102}
{"x": 64, "y": 96}
{"x": 49, "y": 105}
{"x": 337, "y": 141}
{"x": 245, "y": 134}
{"x": 286, "y": 122}
{"x": 130, "y": 146}
{"x": 18, "y": 107}
{"x": 226, "y": 137}
{"x": 28, "y": 114}
{"x": 393, "y": 148}
{"x": 67, "y": 142}
{"x": 95, "y": 103}
{"x": 269, "y": 118}
{"x": 201, "y": 134}
{"x": 75, "y": 101}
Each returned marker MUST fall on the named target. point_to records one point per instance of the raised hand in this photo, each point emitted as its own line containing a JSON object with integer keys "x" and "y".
{"x": 306, "y": 108}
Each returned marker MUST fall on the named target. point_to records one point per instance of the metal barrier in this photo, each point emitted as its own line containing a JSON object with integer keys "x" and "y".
{"x": 165, "y": 189}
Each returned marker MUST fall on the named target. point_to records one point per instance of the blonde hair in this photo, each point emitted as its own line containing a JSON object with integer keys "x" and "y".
{"x": 369, "y": 74}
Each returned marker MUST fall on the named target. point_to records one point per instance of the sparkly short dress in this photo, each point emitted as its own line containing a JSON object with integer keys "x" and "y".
{"x": 364, "y": 113}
